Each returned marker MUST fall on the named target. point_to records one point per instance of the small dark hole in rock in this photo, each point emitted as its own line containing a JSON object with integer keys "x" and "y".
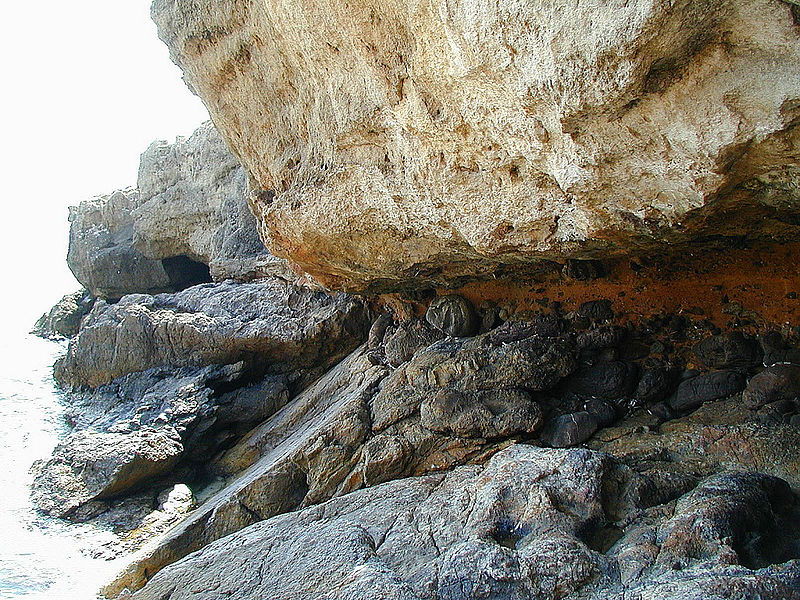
{"x": 183, "y": 272}
{"x": 505, "y": 534}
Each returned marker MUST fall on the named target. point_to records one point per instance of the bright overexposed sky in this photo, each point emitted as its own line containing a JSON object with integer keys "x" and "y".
{"x": 87, "y": 85}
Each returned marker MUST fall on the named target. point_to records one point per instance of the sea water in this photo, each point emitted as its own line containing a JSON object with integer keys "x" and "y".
{"x": 39, "y": 557}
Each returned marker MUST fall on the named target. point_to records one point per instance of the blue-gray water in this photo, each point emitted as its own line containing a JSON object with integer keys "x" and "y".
{"x": 39, "y": 557}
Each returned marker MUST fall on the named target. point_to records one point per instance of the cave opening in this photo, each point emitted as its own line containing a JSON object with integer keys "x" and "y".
{"x": 183, "y": 272}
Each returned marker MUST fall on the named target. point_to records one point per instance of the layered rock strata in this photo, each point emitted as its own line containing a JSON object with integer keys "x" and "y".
{"x": 558, "y": 380}
{"x": 267, "y": 324}
{"x": 415, "y": 144}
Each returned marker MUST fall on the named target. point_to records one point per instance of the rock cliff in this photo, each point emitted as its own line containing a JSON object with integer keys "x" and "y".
{"x": 412, "y": 143}
{"x": 187, "y": 222}
{"x": 573, "y": 369}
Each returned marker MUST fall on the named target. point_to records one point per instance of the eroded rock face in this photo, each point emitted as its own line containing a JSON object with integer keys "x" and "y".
{"x": 101, "y": 253}
{"x": 411, "y": 402}
{"x": 430, "y": 141}
{"x": 194, "y": 204}
{"x": 532, "y": 523}
{"x": 186, "y": 223}
{"x": 139, "y": 427}
{"x": 64, "y": 319}
{"x": 271, "y": 322}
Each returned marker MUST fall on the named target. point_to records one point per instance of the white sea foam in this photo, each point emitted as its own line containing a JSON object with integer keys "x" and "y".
{"x": 39, "y": 557}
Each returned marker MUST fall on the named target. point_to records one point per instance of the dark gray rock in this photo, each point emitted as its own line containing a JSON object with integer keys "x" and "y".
{"x": 64, "y": 319}
{"x": 596, "y": 310}
{"x": 140, "y": 426}
{"x": 777, "y": 350}
{"x": 730, "y": 350}
{"x": 599, "y": 338}
{"x": 453, "y": 315}
{"x": 773, "y": 384}
{"x": 489, "y": 316}
{"x": 655, "y": 385}
{"x": 608, "y": 380}
{"x": 569, "y": 430}
{"x": 692, "y": 392}
{"x": 532, "y": 523}
{"x": 483, "y": 363}
{"x": 602, "y": 411}
{"x": 265, "y": 324}
{"x": 535, "y": 326}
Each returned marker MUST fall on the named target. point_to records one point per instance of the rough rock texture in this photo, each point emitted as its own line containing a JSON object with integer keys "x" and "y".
{"x": 266, "y": 323}
{"x": 532, "y": 523}
{"x": 720, "y": 436}
{"x": 376, "y": 417}
{"x": 467, "y": 386}
{"x": 64, "y": 319}
{"x": 188, "y": 222}
{"x": 101, "y": 252}
{"x": 139, "y": 427}
{"x": 429, "y": 141}
{"x": 319, "y": 446}
{"x": 194, "y": 203}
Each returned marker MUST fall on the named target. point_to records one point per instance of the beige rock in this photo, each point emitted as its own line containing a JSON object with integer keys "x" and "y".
{"x": 194, "y": 204}
{"x": 433, "y": 140}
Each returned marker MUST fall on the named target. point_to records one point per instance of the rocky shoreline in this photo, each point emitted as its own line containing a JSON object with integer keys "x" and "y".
{"x": 216, "y": 419}
{"x": 570, "y": 373}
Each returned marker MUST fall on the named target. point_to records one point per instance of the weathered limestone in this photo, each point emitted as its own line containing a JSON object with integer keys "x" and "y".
{"x": 265, "y": 323}
{"x": 411, "y": 143}
{"x": 186, "y": 223}
{"x": 194, "y": 204}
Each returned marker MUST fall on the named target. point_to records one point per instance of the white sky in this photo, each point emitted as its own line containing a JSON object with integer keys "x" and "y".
{"x": 86, "y": 86}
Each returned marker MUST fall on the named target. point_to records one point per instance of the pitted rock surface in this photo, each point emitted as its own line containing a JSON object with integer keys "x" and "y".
{"x": 410, "y": 143}
{"x": 532, "y": 523}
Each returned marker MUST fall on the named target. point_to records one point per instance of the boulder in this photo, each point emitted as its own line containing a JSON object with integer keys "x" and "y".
{"x": 608, "y": 380}
{"x": 64, "y": 319}
{"x": 655, "y": 385}
{"x": 453, "y": 315}
{"x": 483, "y": 414}
{"x": 419, "y": 144}
{"x": 773, "y": 384}
{"x": 533, "y": 522}
{"x": 778, "y": 351}
{"x": 730, "y": 350}
{"x": 692, "y": 392}
{"x": 265, "y": 324}
{"x": 570, "y": 429}
{"x": 719, "y": 436}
